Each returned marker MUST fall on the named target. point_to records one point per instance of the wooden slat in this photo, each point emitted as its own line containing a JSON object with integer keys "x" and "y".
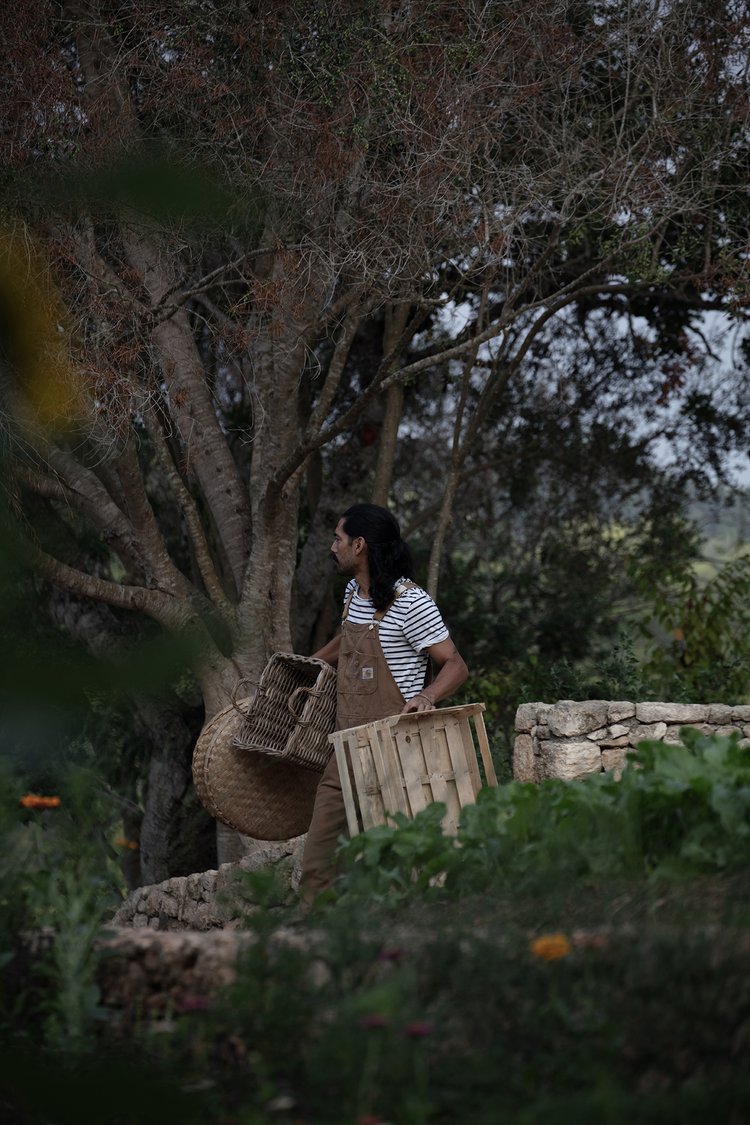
{"x": 457, "y": 752}
{"x": 365, "y": 778}
{"x": 388, "y": 768}
{"x": 444, "y": 764}
{"x": 470, "y": 753}
{"x": 408, "y": 747}
{"x": 340, "y": 742}
{"x": 440, "y": 790}
{"x": 484, "y": 749}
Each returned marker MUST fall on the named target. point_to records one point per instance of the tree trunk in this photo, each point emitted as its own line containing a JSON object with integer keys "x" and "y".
{"x": 177, "y": 834}
{"x": 388, "y": 442}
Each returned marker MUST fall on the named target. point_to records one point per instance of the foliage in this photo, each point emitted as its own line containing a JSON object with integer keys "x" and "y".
{"x": 519, "y": 985}
{"x": 676, "y": 810}
{"x": 699, "y": 633}
{"x": 60, "y": 879}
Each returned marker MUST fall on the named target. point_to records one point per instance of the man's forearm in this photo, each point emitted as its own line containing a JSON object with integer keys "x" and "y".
{"x": 330, "y": 652}
{"x": 452, "y": 673}
{"x": 450, "y": 677}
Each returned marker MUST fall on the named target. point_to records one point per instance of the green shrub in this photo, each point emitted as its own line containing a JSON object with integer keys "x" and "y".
{"x": 59, "y": 880}
{"x": 677, "y": 810}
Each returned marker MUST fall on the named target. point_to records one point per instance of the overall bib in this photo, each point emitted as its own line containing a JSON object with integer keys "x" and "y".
{"x": 365, "y": 691}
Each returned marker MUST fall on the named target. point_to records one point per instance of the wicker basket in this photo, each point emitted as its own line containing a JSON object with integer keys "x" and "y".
{"x": 293, "y": 712}
{"x": 405, "y": 762}
{"x": 252, "y": 793}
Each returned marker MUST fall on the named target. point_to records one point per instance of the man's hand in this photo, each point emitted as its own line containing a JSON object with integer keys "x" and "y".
{"x": 419, "y": 702}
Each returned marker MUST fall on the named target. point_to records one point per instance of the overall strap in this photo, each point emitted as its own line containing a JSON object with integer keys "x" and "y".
{"x": 380, "y": 613}
{"x": 348, "y": 602}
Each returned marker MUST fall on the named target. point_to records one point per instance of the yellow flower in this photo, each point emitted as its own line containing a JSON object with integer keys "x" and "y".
{"x": 32, "y": 801}
{"x": 551, "y": 947}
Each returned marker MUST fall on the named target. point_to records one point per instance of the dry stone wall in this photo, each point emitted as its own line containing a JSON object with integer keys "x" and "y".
{"x": 204, "y": 901}
{"x": 570, "y": 739}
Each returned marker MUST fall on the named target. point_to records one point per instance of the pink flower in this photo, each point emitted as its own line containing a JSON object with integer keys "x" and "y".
{"x": 418, "y": 1029}
{"x": 191, "y": 1003}
{"x": 390, "y": 954}
{"x": 373, "y": 1019}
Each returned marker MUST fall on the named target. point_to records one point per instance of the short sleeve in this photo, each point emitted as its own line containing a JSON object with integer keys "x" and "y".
{"x": 422, "y": 624}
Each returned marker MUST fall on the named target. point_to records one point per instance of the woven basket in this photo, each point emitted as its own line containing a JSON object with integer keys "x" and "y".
{"x": 293, "y": 712}
{"x": 252, "y": 793}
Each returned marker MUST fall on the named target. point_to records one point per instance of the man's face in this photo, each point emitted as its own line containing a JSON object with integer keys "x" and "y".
{"x": 342, "y": 551}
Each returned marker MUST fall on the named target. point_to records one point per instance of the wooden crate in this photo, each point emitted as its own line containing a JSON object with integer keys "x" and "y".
{"x": 405, "y": 762}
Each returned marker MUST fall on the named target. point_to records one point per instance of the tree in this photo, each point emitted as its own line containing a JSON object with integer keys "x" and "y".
{"x": 365, "y": 166}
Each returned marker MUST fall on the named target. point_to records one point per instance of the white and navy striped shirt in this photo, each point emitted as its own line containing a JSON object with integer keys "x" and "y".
{"x": 411, "y": 626}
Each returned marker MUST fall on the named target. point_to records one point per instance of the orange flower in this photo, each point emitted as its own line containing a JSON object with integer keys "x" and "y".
{"x": 551, "y": 947}
{"x": 32, "y": 801}
{"x": 121, "y": 842}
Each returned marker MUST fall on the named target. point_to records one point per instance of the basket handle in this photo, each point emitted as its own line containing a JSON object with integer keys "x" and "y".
{"x": 295, "y": 695}
{"x": 235, "y": 692}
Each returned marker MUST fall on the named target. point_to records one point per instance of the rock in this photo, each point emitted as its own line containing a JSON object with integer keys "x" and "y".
{"x": 671, "y": 712}
{"x": 524, "y": 768}
{"x": 639, "y": 732}
{"x": 720, "y": 713}
{"x": 147, "y": 974}
{"x": 619, "y": 710}
{"x": 597, "y": 735}
{"x": 740, "y": 714}
{"x": 570, "y": 760}
{"x": 617, "y": 730}
{"x": 526, "y": 717}
{"x": 569, "y": 718}
{"x": 614, "y": 760}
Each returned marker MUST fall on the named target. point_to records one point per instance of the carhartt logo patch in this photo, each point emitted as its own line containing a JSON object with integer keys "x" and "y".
{"x": 368, "y": 673}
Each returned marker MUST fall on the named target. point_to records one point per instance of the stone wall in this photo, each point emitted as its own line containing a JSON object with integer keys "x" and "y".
{"x": 572, "y": 739}
{"x": 204, "y": 901}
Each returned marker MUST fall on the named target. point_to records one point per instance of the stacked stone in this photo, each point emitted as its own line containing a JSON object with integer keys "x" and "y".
{"x": 572, "y": 739}
{"x": 204, "y": 901}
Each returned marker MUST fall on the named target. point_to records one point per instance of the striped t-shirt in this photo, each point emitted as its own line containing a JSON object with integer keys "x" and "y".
{"x": 411, "y": 626}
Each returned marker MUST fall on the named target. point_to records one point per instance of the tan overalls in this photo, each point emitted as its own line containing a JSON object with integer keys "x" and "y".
{"x": 365, "y": 691}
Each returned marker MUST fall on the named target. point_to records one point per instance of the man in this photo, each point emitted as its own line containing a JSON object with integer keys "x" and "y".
{"x": 391, "y": 630}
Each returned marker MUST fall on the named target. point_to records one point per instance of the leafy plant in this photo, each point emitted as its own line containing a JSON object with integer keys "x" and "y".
{"x": 698, "y": 634}
{"x": 676, "y": 810}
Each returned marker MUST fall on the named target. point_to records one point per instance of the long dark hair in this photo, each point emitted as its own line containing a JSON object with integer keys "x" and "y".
{"x": 389, "y": 558}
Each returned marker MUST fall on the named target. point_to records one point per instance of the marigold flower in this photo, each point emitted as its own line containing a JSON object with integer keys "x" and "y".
{"x": 34, "y": 801}
{"x": 551, "y": 947}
